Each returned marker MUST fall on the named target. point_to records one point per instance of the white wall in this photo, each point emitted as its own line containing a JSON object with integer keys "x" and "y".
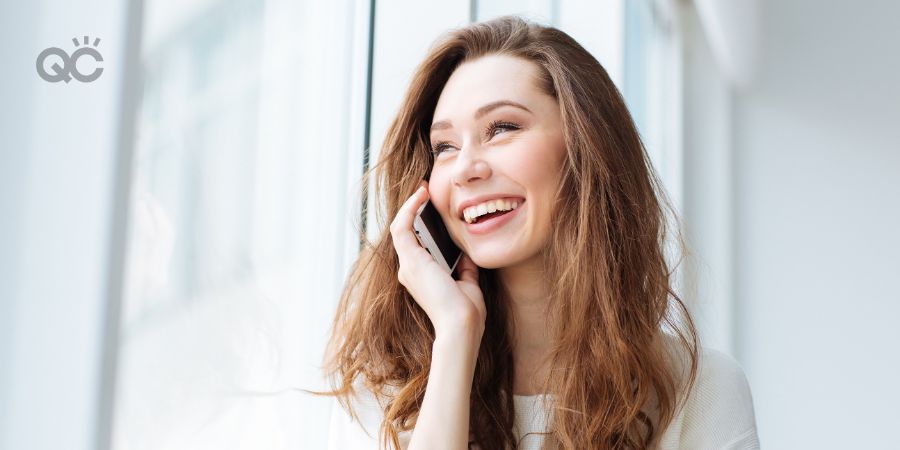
{"x": 817, "y": 214}
{"x": 708, "y": 203}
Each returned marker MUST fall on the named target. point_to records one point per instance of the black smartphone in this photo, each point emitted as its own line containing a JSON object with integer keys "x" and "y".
{"x": 433, "y": 235}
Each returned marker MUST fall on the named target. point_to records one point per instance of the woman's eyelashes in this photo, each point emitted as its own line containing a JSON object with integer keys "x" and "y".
{"x": 489, "y": 132}
{"x": 498, "y": 125}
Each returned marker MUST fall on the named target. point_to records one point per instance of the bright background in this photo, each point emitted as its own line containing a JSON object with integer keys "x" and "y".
{"x": 175, "y": 235}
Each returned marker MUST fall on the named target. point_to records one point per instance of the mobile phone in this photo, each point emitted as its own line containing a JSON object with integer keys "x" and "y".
{"x": 433, "y": 235}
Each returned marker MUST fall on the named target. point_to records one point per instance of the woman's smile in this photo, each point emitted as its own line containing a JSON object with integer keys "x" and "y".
{"x": 494, "y": 221}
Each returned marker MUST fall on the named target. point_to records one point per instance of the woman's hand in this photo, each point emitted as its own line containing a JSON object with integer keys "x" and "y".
{"x": 448, "y": 303}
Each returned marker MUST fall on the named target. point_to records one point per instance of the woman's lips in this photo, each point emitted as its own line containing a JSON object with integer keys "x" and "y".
{"x": 494, "y": 223}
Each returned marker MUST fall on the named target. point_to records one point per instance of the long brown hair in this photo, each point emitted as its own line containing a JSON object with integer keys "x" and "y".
{"x": 615, "y": 381}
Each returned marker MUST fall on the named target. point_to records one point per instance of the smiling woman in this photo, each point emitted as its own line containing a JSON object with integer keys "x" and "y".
{"x": 561, "y": 320}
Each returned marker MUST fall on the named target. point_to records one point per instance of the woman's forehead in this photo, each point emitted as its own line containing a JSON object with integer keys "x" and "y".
{"x": 486, "y": 80}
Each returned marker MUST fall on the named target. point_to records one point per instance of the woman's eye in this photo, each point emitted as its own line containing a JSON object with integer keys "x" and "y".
{"x": 490, "y": 132}
{"x": 439, "y": 148}
{"x": 498, "y": 125}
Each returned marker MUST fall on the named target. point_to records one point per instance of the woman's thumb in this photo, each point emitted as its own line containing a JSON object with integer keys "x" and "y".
{"x": 468, "y": 271}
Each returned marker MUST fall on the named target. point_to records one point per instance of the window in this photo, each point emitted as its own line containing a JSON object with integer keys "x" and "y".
{"x": 248, "y": 138}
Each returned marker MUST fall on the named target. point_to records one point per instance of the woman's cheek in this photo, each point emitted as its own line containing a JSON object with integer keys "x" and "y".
{"x": 439, "y": 193}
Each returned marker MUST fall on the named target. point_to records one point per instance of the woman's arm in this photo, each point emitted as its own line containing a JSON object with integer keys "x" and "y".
{"x": 443, "y": 421}
{"x": 457, "y": 312}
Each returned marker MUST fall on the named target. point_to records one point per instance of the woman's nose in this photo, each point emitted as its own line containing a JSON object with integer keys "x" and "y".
{"x": 470, "y": 166}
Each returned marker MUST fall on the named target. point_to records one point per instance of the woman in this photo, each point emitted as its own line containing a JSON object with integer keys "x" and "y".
{"x": 562, "y": 298}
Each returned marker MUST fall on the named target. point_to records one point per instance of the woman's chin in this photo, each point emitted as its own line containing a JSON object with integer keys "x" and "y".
{"x": 488, "y": 260}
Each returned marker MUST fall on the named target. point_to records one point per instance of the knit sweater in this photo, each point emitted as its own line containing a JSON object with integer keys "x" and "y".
{"x": 717, "y": 415}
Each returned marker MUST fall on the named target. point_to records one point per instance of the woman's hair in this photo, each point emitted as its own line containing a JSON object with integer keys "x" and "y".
{"x": 613, "y": 379}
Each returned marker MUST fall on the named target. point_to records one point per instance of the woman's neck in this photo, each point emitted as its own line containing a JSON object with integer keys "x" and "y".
{"x": 531, "y": 340}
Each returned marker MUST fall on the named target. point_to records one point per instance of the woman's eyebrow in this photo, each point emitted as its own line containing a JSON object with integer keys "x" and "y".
{"x": 480, "y": 112}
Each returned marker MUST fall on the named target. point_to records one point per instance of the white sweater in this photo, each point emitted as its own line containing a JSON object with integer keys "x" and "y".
{"x": 718, "y": 415}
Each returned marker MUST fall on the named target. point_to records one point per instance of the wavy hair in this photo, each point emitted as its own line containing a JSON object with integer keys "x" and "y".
{"x": 614, "y": 380}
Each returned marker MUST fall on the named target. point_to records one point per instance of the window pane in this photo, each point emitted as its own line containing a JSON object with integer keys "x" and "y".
{"x": 248, "y": 138}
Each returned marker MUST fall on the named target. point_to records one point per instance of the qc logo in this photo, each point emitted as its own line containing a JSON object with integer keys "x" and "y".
{"x": 69, "y": 68}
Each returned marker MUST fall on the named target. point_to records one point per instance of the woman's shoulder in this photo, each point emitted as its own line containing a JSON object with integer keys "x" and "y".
{"x": 715, "y": 368}
{"x": 718, "y": 411}
{"x": 720, "y": 370}
{"x": 721, "y": 382}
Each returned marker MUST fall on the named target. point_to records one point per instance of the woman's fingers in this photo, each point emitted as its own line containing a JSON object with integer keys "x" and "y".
{"x": 405, "y": 241}
{"x": 468, "y": 271}
{"x": 468, "y": 284}
{"x": 444, "y": 300}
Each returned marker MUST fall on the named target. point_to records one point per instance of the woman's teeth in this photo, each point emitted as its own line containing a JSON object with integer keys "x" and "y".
{"x": 472, "y": 213}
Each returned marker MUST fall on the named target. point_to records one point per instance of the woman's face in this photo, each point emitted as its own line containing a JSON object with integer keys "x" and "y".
{"x": 487, "y": 148}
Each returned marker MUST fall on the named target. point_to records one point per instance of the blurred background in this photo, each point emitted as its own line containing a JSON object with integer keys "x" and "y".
{"x": 174, "y": 235}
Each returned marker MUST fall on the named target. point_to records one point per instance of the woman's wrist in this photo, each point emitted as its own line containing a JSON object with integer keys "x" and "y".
{"x": 462, "y": 340}
{"x": 464, "y": 331}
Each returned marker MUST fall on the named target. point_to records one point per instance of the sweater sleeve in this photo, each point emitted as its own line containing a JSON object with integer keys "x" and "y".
{"x": 347, "y": 433}
{"x": 719, "y": 411}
